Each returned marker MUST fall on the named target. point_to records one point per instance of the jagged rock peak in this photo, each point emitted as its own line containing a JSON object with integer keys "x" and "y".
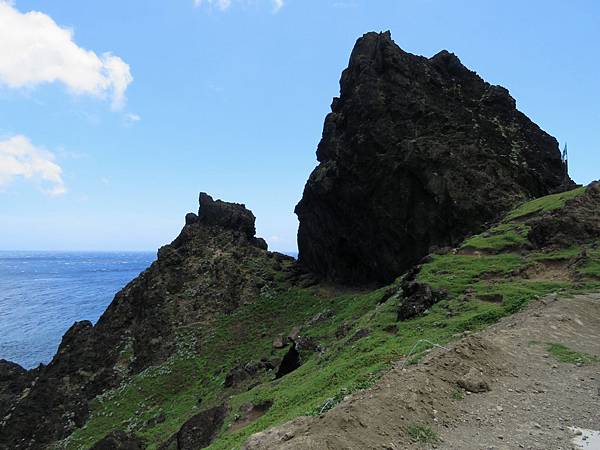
{"x": 417, "y": 152}
{"x": 227, "y": 215}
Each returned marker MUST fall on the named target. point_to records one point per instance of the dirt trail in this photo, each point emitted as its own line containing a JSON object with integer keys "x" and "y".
{"x": 532, "y": 401}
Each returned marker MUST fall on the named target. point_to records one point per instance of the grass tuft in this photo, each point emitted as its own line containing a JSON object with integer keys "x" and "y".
{"x": 566, "y": 355}
{"x": 423, "y": 434}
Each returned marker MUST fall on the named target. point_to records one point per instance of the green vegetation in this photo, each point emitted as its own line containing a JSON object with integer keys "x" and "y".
{"x": 543, "y": 204}
{"x": 458, "y": 394}
{"x": 501, "y": 237}
{"x": 591, "y": 266}
{"x": 511, "y": 233}
{"x": 423, "y": 434}
{"x": 566, "y": 355}
{"x": 155, "y": 403}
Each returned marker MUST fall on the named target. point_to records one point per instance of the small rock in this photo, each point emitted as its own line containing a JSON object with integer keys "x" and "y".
{"x": 473, "y": 381}
{"x": 278, "y": 341}
{"x": 294, "y": 334}
{"x": 287, "y": 436}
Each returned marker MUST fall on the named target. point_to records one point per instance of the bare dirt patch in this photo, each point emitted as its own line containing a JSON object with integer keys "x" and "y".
{"x": 533, "y": 399}
{"x": 250, "y": 413}
{"x": 549, "y": 270}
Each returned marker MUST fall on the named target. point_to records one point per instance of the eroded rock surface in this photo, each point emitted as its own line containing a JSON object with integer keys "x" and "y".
{"x": 577, "y": 222}
{"x": 417, "y": 152}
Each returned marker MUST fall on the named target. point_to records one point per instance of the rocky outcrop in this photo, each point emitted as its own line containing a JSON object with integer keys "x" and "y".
{"x": 417, "y": 152}
{"x": 578, "y": 222}
{"x": 200, "y": 430}
{"x": 213, "y": 267}
{"x": 418, "y": 298}
{"x": 119, "y": 440}
{"x": 14, "y": 379}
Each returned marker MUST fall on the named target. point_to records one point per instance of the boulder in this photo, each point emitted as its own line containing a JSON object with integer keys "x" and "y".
{"x": 199, "y": 431}
{"x": 278, "y": 342}
{"x": 241, "y": 373}
{"x": 291, "y": 361}
{"x": 417, "y": 298}
{"x": 119, "y": 440}
{"x": 473, "y": 381}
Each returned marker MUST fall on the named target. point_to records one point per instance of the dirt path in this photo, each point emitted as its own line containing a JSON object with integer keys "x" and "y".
{"x": 533, "y": 399}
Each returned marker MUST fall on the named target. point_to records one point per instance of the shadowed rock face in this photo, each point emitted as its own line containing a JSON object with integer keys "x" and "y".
{"x": 578, "y": 222}
{"x": 201, "y": 430}
{"x": 13, "y": 381}
{"x": 417, "y": 152}
{"x": 213, "y": 267}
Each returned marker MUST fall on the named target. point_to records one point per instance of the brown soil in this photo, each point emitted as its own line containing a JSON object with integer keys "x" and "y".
{"x": 550, "y": 271}
{"x": 250, "y": 413}
{"x": 533, "y": 400}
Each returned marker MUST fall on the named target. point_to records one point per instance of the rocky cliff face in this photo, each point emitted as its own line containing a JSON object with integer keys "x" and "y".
{"x": 214, "y": 266}
{"x": 417, "y": 152}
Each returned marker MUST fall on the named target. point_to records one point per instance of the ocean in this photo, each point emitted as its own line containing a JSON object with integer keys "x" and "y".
{"x": 43, "y": 293}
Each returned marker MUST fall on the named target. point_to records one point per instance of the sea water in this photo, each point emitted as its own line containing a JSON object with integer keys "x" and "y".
{"x": 43, "y": 293}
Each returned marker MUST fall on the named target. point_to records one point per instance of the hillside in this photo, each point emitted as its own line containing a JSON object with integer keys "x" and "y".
{"x": 528, "y": 382}
{"x": 347, "y": 340}
{"x": 220, "y": 338}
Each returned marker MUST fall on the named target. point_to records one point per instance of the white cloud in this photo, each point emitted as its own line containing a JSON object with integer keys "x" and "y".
{"x": 131, "y": 118}
{"x": 224, "y": 5}
{"x": 277, "y": 5}
{"x": 19, "y": 158}
{"x": 35, "y": 50}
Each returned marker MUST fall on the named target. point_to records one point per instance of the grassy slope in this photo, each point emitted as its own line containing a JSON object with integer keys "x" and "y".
{"x": 344, "y": 364}
{"x": 510, "y": 232}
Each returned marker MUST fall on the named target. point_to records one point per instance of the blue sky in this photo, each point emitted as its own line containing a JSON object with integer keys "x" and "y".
{"x": 105, "y": 144}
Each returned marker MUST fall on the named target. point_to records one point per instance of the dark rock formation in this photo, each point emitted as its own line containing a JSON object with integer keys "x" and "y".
{"x": 213, "y": 267}
{"x": 416, "y": 153}
{"x": 201, "y": 430}
{"x": 119, "y": 440}
{"x": 291, "y": 361}
{"x": 14, "y": 379}
{"x": 417, "y": 298}
{"x": 241, "y": 373}
{"x": 578, "y": 222}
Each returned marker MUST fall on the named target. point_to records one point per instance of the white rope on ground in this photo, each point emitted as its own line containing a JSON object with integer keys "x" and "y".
{"x": 415, "y": 346}
{"x": 327, "y": 404}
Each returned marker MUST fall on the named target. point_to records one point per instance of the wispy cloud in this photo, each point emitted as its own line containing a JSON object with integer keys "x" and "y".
{"x": 277, "y": 5}
{"x": 130, "y": 119}
{"x": 35, "y": 50}
{"x": 224, "y": 5}
{"x": 19, "y": 158}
